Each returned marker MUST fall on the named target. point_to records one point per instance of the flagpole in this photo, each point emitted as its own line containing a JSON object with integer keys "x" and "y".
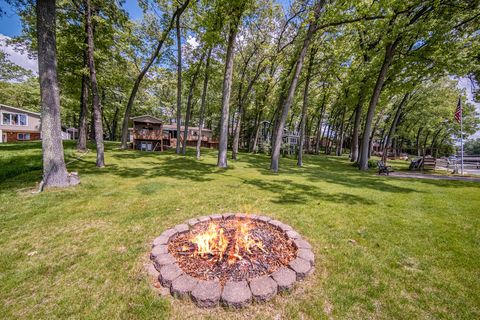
{"x": 461, "y": 133}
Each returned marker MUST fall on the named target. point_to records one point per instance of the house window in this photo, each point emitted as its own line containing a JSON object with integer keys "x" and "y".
{"x": 14, "y": 119}
{"x": 22, "y": 119}
{"x": 6, "y": 118}
{"x": 23, "y": 136}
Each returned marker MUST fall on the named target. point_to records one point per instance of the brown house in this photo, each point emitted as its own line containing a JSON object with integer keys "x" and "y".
{"x": 18, "y": 124}
{"x": 150, "y": 134}
{"x": 147, "y": 133}
{"x": 192, "y": 137}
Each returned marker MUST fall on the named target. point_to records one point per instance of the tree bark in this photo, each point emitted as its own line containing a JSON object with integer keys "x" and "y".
{"x": 434, "y": 142}
{"x": 143, "y": 72}
{"x": 179, "y": 86}
{"x": 83, "y": 123}
{"x": 389, "y": 53}
{"x": 393, "y": 127}
{"x": 97, "y": 107}
{"x": 305, "y": 108}
{"x": 189, "y": 103}
{"x": 54, "y": 168}
{"x": 339, "y": 149}
{"x": 287, "y": 102}
{"x": 318, "y": 138}
{"x": 203, "y": 103}
{"x": 113, "y": 131}
{"x": 242, "y": 97}
{"x": 418, "y": 140}
{"x": 226, "y": 91}
{"x": 356, "y": 123}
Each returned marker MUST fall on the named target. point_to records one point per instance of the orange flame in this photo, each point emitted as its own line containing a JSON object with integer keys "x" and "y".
{"x": 213, "y": 242}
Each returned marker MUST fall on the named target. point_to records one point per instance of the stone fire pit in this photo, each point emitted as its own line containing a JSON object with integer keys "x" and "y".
{"x": 232, "y": 259}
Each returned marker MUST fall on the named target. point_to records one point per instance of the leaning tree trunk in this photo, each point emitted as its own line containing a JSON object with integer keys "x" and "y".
{"x": 364, "y": 152}
{"x": 226, "y": 91}
{"x": 204, "y": 100}
{"x": 97, "y": 107}
{"x": 54, "y": 169}
{"x": 143, "y": 72}
{"x": 305, "y": 108}
{"x": 287, "y": 102}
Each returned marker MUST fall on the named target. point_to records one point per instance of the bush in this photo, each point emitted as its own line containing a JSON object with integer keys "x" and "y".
{"x": 372, "y": 163}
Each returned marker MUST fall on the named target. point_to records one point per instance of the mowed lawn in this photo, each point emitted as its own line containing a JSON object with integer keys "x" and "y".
{"x": 80, "y": 253}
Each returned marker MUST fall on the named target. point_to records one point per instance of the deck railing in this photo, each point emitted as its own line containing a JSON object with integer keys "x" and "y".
{"x": 144, "y": 134}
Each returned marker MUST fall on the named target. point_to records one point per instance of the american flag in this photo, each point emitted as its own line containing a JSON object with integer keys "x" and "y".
{"x": 458, "y": 111}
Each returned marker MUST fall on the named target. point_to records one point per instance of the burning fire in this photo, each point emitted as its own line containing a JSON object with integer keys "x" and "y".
{"x": 216, "y": 245}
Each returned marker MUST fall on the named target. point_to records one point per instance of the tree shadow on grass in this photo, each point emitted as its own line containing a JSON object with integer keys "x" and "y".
{"x": 326, "y": 169}
{"x": 184, "y": 168}
{"x": 289, "y": 192}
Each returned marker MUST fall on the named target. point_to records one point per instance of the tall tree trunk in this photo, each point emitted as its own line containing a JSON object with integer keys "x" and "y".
{"x": 97, "y": 107}
{"x": 393, "y": 127}
{"x": 389, "y": 53}
{"x": 242, "y": 98}
{"x": 434, "y": 142}
{"x": 189, "y": 103}
{"x": 54, "y": 169}
{"x": 356, "y": 123}
{"x": 179, "y": 85}
{"x": 288, "y": 99}
{"x": 339, "y": 149}
{"x": 305, "y": 107}
{"x": 320, "y": 132}
{"x": 83, "y": 123}
{"x": 256, "y": 130}
{"x": 418, "y": 140}
{"x": 204, "y": 100}
{"x": 226, "y": 91}
{"x": 143, "y": 72}
{"x": 237, "y": 126}
{"x": 113, "y": 131}
{"x": 425, "y": 143}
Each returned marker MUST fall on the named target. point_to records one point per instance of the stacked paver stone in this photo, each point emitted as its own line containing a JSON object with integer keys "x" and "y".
{"x": 236, "y": 294}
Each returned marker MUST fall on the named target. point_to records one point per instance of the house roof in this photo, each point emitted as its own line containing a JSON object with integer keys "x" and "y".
{"x": 147, "y": 118}
{"x": 174, "y": 127}
{"x": 18, "y": 109}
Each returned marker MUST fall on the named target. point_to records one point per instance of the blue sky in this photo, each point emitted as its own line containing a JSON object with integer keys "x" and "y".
{"x": 10, "y": 24}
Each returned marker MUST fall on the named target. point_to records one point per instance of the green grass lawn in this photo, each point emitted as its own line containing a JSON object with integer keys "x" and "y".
{"x": 80, "y": 252}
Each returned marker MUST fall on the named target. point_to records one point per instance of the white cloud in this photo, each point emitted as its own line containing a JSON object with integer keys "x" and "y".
{"x": 192, "y": 41}
{"x": 20, "y": 58}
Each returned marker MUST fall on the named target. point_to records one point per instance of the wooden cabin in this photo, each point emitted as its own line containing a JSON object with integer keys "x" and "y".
{"x": 147, "y": 133}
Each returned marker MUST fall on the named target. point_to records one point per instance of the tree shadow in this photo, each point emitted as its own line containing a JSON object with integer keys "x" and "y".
{"x": 289, "y": 192}
{"x": 327, "y": 169}
{"x": 185, "y": 168}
